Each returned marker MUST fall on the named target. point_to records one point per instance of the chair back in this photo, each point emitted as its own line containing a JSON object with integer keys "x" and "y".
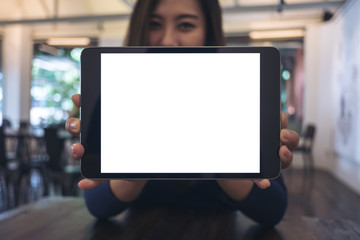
{"x": 309, "y": 136}
{"x": 3, "y": 160}
{"x": 54, "y": 148}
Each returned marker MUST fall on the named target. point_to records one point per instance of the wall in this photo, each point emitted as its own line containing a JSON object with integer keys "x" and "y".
{"x": 332, "y": 94}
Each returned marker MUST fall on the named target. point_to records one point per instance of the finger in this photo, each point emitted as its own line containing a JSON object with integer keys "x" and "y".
{"x": 262, "y": 183}
{"x": 286, "y": 157}
{"x": 76, "y": 100}
{"x": 73, "y": 126}
{"x": 87, "y": 184}
{"x": 289, "y": 138}
{"x": 77, "y": 151}
{"x": 284, "y": 121}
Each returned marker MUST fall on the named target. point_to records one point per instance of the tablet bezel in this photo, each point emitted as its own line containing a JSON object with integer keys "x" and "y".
{"x": 270, "y": 118}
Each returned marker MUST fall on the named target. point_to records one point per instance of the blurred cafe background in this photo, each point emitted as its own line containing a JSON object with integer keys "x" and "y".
{"x": 319, "y": 40}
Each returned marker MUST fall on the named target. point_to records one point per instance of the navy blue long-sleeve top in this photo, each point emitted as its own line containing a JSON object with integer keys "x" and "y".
{"x": 266, "y": 207}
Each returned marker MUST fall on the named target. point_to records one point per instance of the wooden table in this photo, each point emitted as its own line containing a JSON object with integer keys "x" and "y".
{"x": 68, "y": 218}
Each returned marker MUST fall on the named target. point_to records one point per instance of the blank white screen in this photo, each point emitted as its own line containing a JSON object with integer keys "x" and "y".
{"x": 180, "y": 113}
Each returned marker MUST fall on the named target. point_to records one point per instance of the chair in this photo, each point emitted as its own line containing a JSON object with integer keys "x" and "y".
{"x": 3, "y": 161}
{"x": 306, "y": 145}
{"x": 8, "y": 175}
{"x": 3, "y": 175}
{"x": 58, "y": 174}
{"x": 33, "y": 180}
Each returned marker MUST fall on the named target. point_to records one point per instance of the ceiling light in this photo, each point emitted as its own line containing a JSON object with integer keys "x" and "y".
{"x": 68, "y": 41}
{"x": 294, "y": 33}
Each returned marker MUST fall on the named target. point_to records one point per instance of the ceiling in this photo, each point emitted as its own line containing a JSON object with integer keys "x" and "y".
{"x": 110, "y": 17}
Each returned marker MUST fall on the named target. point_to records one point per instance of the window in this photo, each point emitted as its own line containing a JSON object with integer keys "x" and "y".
{"x": 55, "y": 78}
{"x": 292, "y": 85}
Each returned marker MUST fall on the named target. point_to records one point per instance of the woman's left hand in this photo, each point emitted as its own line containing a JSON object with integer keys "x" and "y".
{"x": 289, "y": 140}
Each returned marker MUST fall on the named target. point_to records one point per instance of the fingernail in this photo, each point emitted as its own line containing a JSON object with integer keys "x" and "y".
{"x": 74, "y": 127}
{"x": 72, "y": 149}
{"x": 73, "y": 152}
{"x": 286, "y": 134}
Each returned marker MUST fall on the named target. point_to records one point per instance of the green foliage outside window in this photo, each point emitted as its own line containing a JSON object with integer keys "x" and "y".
{"x": 55, "y": 80}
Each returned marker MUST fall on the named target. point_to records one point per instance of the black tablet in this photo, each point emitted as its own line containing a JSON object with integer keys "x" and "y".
{"x": 180, "y": 113}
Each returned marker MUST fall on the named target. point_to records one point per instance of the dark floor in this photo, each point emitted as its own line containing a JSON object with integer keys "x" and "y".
{"x": 320, "y": 195}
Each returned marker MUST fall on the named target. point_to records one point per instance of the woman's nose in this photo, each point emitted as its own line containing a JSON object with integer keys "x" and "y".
{"x": 169, "y": 38}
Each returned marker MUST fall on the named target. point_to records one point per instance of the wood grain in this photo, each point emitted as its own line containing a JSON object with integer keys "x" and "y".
{"x": 321, "y": 209}
{"x": 67, "y": 218}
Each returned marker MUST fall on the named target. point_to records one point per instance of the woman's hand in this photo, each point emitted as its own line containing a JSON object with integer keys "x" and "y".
{"x": 289, "y": 140}
{"x": 239, "y": 189}
{"x": 124, "y": 190}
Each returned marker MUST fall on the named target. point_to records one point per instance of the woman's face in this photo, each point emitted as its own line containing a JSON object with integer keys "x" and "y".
{"x": 177, "y": 23}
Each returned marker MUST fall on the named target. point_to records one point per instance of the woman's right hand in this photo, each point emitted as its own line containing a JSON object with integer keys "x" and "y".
{"x": 124, "y": 190}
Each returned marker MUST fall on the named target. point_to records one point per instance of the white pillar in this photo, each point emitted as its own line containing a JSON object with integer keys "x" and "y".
{"x": 17, "y": 61}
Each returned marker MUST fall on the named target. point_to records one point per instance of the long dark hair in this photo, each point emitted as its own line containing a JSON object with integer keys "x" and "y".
{"x": 138, "y": 32}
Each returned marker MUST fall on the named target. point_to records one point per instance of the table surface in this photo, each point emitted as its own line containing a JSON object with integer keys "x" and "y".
{"x": 67, "y": 218}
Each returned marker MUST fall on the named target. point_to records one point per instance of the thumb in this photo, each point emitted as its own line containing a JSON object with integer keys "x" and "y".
{"x": 262, "y": 183}
{"x": 87, "y": 184}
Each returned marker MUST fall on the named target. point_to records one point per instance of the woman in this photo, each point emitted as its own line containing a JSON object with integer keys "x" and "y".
{"x": 185, "y": 23}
